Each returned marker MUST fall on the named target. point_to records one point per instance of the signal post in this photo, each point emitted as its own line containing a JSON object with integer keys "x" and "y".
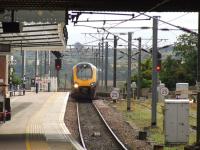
{"x": 154, "y": 74}
{"x": 58, "y": 66}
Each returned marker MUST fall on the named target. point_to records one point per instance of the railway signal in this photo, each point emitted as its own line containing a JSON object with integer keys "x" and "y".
{"x": 58, "y": 64}
{"x": 158, "y": 66}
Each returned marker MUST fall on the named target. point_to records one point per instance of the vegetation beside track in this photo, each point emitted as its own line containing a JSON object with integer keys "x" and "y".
{"x": 140, "y": 116}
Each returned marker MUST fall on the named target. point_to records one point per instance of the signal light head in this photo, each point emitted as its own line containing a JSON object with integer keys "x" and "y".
{"x": 158, "y": 68}
{"x": 58, "y": 67}
{"x": 58, "y": 64}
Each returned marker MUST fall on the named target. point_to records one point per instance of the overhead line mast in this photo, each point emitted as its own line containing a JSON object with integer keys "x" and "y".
{"x": 176, "y": 26}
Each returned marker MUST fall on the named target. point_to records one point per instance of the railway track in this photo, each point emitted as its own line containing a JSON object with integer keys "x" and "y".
{"x": 95, "y": 133}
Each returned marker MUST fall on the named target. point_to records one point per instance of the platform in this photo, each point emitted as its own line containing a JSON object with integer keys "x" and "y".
{"x": 37, "y": 123}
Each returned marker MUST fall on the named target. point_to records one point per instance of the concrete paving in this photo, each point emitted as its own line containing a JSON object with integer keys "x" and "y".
{"x": 37, "y": 123}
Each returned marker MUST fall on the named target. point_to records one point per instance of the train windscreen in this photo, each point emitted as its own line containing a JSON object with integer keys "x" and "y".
{"x": 84, "y": 71}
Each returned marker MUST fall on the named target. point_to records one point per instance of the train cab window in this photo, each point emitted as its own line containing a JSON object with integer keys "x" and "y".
{"x": 84, "y": 72}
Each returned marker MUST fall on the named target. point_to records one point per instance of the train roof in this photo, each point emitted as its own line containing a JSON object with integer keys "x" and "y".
{"x": 85, "y": 63}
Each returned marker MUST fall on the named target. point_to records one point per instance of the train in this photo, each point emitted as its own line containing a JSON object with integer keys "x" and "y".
{"x": 84, "y": 81}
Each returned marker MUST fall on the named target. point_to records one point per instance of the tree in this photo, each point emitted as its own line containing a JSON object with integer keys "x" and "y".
{"x": 16, "y": 80}
{"x": 171, "y": 72}
{"x": 184, "y": 67}
{"x": 146, "y": 74}
{"x": 186, "y": 50}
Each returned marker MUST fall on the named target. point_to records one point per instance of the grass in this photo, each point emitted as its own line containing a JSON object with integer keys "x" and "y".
{"x": 140, "y": 115}
{"x": 193, "y": 108}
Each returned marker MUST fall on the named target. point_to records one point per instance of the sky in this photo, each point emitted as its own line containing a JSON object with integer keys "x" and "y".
{"x": 184, "y": 19}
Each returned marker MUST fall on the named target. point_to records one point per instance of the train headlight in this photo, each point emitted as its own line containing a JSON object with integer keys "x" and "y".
{"x": 93, "y": 84}
{"x": 75, "y": 85}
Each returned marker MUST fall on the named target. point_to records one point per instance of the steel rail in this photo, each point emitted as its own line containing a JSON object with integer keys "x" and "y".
{"x": 116, "y": 138}
{"x": 79, "y": 128}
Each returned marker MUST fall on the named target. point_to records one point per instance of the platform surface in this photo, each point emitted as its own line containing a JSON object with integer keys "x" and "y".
{"x": 37, "y": 123}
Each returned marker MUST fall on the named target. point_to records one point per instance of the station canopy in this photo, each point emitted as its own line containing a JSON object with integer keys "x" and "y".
{"x": 103, "y": 5}
{"x": 36, "y": 36}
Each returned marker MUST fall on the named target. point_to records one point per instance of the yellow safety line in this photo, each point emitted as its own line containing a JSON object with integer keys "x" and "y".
{"x": 28, "y": 140}
{"x": 28, "y": 145}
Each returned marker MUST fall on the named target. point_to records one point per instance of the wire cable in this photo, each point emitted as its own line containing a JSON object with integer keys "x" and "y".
{"x": 156, "y": 6}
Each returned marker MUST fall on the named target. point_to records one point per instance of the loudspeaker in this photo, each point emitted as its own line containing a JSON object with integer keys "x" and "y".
{"x": 11, "y": 27}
